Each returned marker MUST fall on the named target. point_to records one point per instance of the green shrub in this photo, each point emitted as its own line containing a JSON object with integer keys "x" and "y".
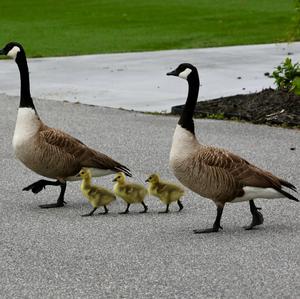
{"x": 287, "y": 76}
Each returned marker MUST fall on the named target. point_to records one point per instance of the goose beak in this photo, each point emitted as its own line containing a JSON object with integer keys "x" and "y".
{"x": 114, "y": 180}
{"x": 147, "y": 180}
{"x": 173, "y": 73}
{"x": 2, "y": 52}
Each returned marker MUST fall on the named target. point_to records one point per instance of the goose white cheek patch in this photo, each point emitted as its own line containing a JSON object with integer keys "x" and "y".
{"x": 185, "y": 73}
{"x": 13, "y": 52}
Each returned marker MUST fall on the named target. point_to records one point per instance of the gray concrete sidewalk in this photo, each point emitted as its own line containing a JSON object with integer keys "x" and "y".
{"x": 138, "y": 81}
{"x": 58, "y": 254}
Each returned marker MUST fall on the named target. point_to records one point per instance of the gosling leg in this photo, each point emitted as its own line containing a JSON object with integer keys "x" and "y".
{"x": 166, "y": 211}
{"x": 180, "y": 205}
{"x": 257, "y": 217}
{"x": 127, "y": 209}
{"x": 145, "y": 207}
{"x": 60, "y": 201}
{"x": 90, "y": 214}
{"x": 216, "y": 225}
{"x": 105, "y": 211}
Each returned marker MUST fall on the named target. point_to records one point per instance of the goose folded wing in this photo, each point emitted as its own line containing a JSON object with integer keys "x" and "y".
{"x": 76, "y": 151}
{"x": 240, "y": 169}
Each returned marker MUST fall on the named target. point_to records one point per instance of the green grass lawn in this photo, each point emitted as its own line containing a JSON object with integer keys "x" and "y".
{"x": 66, "y": 27}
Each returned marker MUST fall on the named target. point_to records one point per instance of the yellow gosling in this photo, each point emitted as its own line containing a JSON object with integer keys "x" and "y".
{"x": 96, "y": 195}
{"x": 131, "y": 193}
{"x": 165, "y": 191}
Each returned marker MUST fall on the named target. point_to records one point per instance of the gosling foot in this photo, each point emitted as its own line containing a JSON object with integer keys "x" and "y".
{"x": 89, "y": 214}
{"x": 126, "y": 211}
{"x": 105, "y": 211}
{"x": 145, "y": 208}
{"x": 166, "y": 211}
{"x": 123, "y": 213}
{"x": 180, "y": 205}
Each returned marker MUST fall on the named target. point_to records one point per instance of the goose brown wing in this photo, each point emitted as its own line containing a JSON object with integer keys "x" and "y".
{"x": 242, "y": 171}
{"x": 76, "y": 154}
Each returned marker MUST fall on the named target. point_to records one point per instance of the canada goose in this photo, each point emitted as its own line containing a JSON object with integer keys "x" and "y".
{"x": 96, "y": 195}
{"x": 215, "y": 173}
{"x": 129, "y": 192}
{"x": 47, "y": 151}
{"x": 165, "y": 191}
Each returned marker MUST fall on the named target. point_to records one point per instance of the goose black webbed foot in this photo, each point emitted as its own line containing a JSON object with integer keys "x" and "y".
{"x": 216, "y": 225}
{"x": 257, "y": 217}
{"x": 60, "y": 201}
{"x": 36, "y": 187}
{"x": 214, "y": 229}
{"x": 52, "y": 205}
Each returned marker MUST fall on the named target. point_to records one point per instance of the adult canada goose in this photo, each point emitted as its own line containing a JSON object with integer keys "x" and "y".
{"x": 215, "y": 173}
{"x": 47, "y": 151}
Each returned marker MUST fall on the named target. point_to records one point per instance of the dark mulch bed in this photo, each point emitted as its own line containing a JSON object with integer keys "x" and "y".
{"x": 266, "y": 107}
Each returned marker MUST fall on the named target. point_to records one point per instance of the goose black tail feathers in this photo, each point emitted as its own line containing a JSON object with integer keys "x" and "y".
{"x": 124, "y": 169}
{"x": 288, "y": 195}
{"x": 288, "y": 185}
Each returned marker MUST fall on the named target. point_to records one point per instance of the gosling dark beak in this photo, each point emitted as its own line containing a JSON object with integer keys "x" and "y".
{"x": 147, "y": 181}
{"x": 114, "y": 180}
{"x": 2, "y": 52}
{"x": 173, "y": 73}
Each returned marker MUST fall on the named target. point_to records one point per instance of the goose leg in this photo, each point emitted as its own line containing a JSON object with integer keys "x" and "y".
{"x": 127, "y": 209}
{"x": 60, "y": 201}
{"x": 216, "y": 225}
{"x": 40, "y": 185}
{"x": 257, "y": 217}
{"x": 145, "y": 207}
{"x": 180, "y": 205}
{"x": 166, "y": 211}
{"x": 89, "y": 214}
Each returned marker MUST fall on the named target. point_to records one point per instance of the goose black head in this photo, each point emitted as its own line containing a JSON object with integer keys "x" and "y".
{"x": 184, "y": 71}
{"x": 13, "y": 50}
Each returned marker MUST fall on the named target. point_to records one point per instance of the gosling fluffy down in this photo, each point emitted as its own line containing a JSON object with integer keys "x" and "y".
{"x": 165, "y": 191}
{"x": 96, "y": 195}
{"x": 131, "y": 193}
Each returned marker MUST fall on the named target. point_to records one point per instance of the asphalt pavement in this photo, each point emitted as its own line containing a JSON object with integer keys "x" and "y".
{"x": 58, "y": 254}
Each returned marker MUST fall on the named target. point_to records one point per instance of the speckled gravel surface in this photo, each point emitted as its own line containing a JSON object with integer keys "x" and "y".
{"x": 58, "y": 254}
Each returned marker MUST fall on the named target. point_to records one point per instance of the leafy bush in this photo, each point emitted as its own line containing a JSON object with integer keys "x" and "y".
{"x": 287, "y": 76}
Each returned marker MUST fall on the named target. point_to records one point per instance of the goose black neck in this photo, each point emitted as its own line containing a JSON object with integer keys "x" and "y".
{"x": 25, "y": 97}
{"x": 186, "y": 118}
